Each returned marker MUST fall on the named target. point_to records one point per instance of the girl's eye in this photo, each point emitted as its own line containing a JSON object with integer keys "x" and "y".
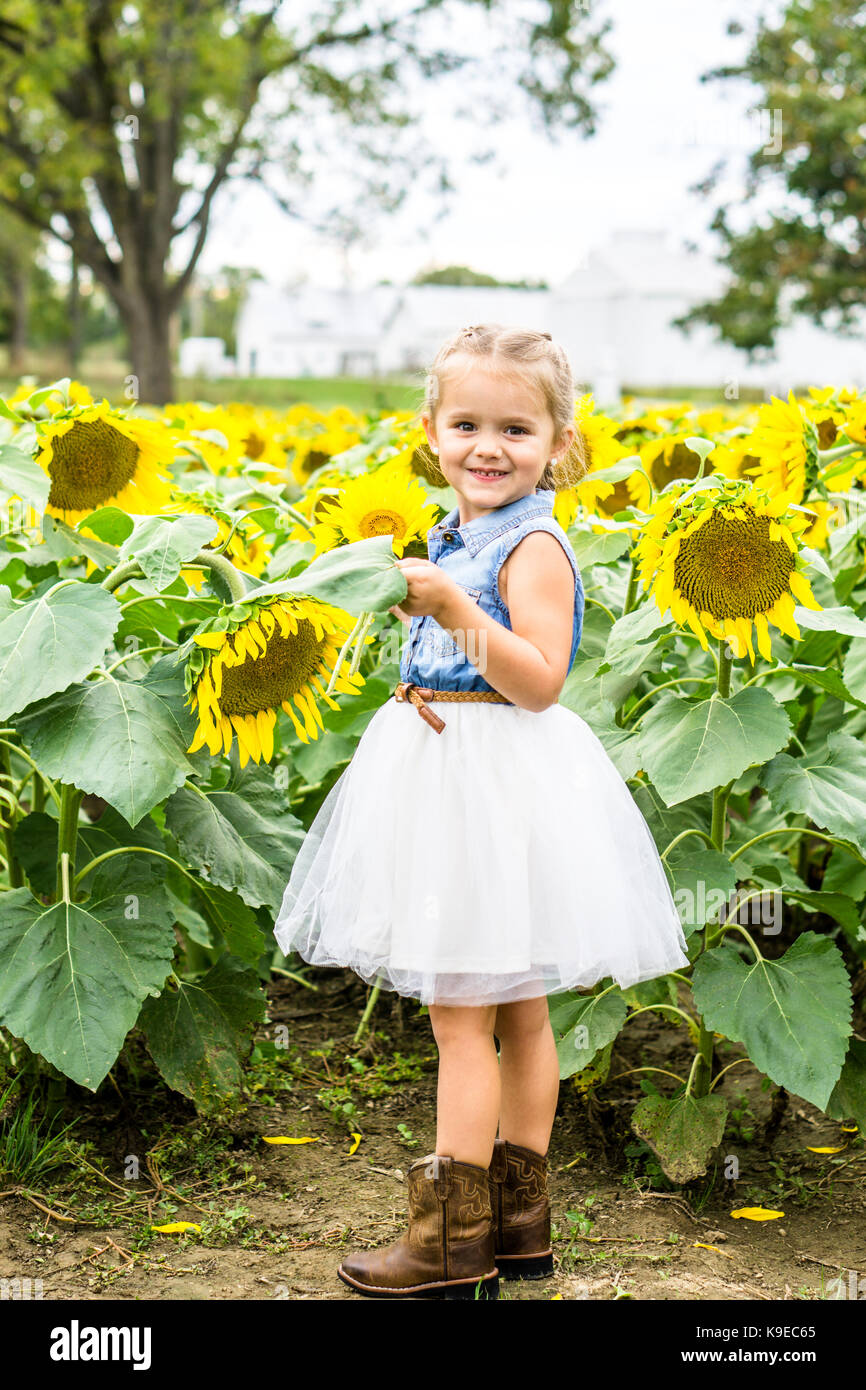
{"x": 517, "y": 427}
{"x": 461, "y": 423}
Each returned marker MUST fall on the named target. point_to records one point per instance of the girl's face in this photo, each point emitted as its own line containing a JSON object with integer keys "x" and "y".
{"x": 494, "y": 436}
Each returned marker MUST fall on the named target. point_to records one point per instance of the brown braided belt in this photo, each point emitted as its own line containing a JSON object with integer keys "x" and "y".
{"x": 419, "y": 694}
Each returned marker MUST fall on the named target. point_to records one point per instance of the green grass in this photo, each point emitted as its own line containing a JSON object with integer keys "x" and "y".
{"x": 106, "y": 378}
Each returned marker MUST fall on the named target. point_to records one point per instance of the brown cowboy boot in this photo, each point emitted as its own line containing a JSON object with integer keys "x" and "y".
{"x": 521, "y": 1212}
{"x": 448, "y": 1248}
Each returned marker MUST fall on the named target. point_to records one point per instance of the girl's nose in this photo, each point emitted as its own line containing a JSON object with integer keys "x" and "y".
{"x": 488, "y": 448}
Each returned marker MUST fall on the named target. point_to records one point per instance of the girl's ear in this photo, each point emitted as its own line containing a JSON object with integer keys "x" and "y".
{"x": 429, "y": 430}
{"x": 565, "y": 441}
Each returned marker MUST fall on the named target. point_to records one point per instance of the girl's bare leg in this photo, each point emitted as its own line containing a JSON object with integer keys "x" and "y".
{"x": 529, "y": 1073}
{"x": 468, "y": 1092}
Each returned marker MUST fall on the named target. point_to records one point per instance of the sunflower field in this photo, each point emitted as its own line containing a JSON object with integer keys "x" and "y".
{"x": 195, "y": 629}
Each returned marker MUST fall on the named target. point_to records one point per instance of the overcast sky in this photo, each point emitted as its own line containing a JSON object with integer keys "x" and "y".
{"x": 546, "y": 205}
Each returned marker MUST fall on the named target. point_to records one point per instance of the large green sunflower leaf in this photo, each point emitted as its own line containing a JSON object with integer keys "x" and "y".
{"x": 829, "y": 787}
{"x": 245, "y": 842}
{"x": 162, "y": 545}
{"x": 53, "y": 641}
{"x": 583, "y": 1024}
{"x": 63, "y": 541}
{"x": 114, "y": 738}
{"x": 843, "y": 620}
{"x": 681, "y": 1132}
{"x": 199, "y": 1033}
{"x": 825, "y": 678}
{"x": 704, "y": 880}
{"x": 688, "y": 748}
{"x": 21, "y": 476}
{"x": 854, "y": 669}
{"x": 632, "y": 635}
{"x": 362, "y": 577}
{"x": 72, "y": 975}
{"x": 848, "y": 1100}
{"x": 234, "y": 921}
{"x": 793, "y": 1014}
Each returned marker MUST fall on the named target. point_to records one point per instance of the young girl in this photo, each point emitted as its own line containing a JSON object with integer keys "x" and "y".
{"x": 481, "y": 851}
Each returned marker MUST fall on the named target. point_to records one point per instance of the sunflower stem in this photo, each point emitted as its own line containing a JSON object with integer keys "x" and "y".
{"x": 368, "y": 1009}
{"x": 704, "y": 1070}
{"x": 205, "y": 559}
{"x": 359, "y": 645}
{"x": 16, "y": 873}
{"x": 842, "y": 451}
{"x": 342, "y": 656}
{"x": 632, "y": 588}
{"x": 67, "y": 835}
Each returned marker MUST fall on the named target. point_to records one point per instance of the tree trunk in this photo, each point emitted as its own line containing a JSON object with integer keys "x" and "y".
{"x": 148, "y": 324}
{"x": 20, "y": 287}
{"x": 74, "y": 342}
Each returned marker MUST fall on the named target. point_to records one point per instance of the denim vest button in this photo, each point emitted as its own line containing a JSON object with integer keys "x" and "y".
{"x": 447, "y": 535}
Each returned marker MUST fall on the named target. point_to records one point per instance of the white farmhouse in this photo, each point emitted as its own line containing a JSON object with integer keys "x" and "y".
{"x": 613, "y": 315}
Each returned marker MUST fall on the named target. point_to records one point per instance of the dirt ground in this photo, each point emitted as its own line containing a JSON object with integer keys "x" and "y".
{"x": 276, "y": 1219}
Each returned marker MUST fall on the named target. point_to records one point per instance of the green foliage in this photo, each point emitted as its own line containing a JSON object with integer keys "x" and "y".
{"x": 807, "y": 66}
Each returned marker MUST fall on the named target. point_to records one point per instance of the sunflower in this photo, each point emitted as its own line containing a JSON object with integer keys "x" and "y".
{"x": 724, "y": 560}
{"x": 262, "y": 442}
{"x": 248, "y": 549}
{"x": 76, "y": 394}
{"x": 211, "y": 435}
{"x": 95, "y": 456}
{"x": 785, "y": 441}
{"x": 855, "y": 422}
{"x": 670, "y": 458}
{"x": 274, "y": 657}
{"x": 822, "y": 518}
{"x": 315, "y": 437}
{"x": 380, "y": 503}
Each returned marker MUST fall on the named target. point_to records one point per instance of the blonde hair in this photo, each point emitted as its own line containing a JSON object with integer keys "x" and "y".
{"x": 519, "y": 353}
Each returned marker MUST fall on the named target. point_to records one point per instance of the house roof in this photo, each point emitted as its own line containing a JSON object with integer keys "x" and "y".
{"x": 640, "y": 260}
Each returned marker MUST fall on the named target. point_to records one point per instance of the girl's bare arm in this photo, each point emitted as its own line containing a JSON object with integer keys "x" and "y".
{"x": 529, "y": 664}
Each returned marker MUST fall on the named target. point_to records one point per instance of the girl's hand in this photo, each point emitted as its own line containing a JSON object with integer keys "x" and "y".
{"x": 429, "y": 588}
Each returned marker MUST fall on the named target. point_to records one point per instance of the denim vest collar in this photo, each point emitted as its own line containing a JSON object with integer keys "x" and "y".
{"x": 481, "y": 529}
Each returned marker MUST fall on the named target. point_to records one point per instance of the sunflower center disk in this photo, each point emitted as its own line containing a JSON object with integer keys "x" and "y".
{"x": 283, "y": 670}
{"x": 730, "y": 567}
{"x": 382, "y": 524}
{"x": 91, "y": 463}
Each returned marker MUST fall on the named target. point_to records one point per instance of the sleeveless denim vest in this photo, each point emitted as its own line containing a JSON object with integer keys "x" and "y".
{"x": 472, "y": 555}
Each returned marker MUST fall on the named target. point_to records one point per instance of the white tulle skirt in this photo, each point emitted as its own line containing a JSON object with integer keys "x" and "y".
{"x": 499, "y": 860}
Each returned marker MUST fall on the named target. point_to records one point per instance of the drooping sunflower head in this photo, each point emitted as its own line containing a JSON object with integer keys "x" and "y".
{"x": 95, "y": 455}
{"x": 384, "y": 502}
{"x": 670, "y": 458}
{"x": 724, "y": 559}
{"x": 785, "y": 441}
{"x": 279, "y": 654}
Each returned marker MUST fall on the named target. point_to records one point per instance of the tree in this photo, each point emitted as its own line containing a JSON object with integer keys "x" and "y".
{"x": 120, "y": 122}
{"x": 462, "y": 275}
{"x": 809, "y": 256}
{"x": 212, "y": 307}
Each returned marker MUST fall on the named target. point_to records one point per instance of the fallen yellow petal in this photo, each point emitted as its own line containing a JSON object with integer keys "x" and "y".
{"x": 554, "y": 1297}
{"x": 825, "y": 1149}
{"x": 175, "y": 1227}
{"x": 356, "y": 1139}
{"x": 284, "y": 1139}
{"x": 757, "y": 1214}
{"x": 700, "y": 1245}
